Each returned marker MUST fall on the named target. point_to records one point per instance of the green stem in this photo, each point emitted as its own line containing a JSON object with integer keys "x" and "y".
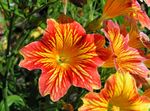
{"x": 5, "y": 95}
{"x": 8, "y": 4}
{"x": 9, "y": 36}
{"x": 5, "y": 14}
{"x": 7, "y": 55}
{"x": 91, "y": 13}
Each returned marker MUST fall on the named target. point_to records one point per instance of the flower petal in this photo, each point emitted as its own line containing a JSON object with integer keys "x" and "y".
{"x": 125, "y": 58}
{"x": 126, "y": 95}
{"x": 145, "y": 40}
{"x": 88, "y": 60}
{"x": 67, "y": 56}
{"x": 94, "y": 102}
{"x": 120, "y": 92}
{"x": 115, "y": 8}
{"x": 87, "y": 73}
{"x": 134, "y": 37}
{"x": 65, "y": 31}
{"x": 51, "y": 81}
{"x": 140, "y": 15}
{"x": 32, "y": 56}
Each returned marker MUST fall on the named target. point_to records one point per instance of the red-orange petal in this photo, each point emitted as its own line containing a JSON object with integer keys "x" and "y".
{"x": 124, "y": 57}
{"x": 67, "y": 56}
{"x": 31, "y": 57}
{"x": 140, "y": 15}
{"x": 55, "y": 82}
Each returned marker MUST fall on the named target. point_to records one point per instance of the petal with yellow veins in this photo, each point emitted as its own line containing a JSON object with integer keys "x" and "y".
{"x": 123, "y": 56}
{"x": 67, "y": 56}
{"x": 114, "y": 8}
{"x": 119, "y": 94}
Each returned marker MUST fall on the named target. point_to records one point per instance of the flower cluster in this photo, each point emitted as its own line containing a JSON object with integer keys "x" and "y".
{"x": 68, "y": 56}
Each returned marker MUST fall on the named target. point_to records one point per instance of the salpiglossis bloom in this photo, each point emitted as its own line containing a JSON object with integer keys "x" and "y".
{"x": 119, "y": 94}
{"x": 123, "y": 57}
{"x": 137, "y": 39}
{"x": 134, "y": 38}
{"x": 67, "y": 56}
{"x": 112, "y": 8}
{"x": 139, "y": 15}
{"x": 115, "y": 8}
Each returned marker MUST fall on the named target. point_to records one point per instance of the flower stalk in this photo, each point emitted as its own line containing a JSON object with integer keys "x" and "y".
{"x": 8, "y": 63}
{"x": 65, "y": 2}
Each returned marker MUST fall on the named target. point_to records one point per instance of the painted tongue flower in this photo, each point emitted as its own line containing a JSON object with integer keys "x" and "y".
{"x": 67, "y": 56}
{"x": 132, "y": 8}
{"x": 119, "y": 94}
{"x": 137, "y": 39}
{"x": 139, "y": 15}
{"x": 123, "y": 57}
{"x": 115, "y": 8}
{"x": 112, "y": 8}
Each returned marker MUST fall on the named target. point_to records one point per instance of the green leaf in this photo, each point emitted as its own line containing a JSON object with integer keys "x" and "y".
{"x": 13, "y": 99}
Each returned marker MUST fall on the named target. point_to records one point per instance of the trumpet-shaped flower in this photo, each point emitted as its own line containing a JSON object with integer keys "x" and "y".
{"x": 112, "y": 8}
{"x": 115, "y": 8}
{"x": 138, "y": 39}
{"x": 67, "y": 56}
{"x": 134, "y": 39}
{"x": 119, "y": 94}
{"x": 123, "y": 57}
{"x": 139, "y": 15}
{"x": 132, "y": 8}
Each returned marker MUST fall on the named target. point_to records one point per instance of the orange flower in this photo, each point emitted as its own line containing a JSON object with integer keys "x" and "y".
{"x": 115, "y": 8}
{"x": 111, "y": 9}
{"x": 119, "y": 94}
{"x": 123, "y": 57}
{"x": 132, "y": 8}
{"x": 139, "y": 15}
{"x": 138, "y": 39}
{"x": 67, "y": 56}
{"x": 134, "y": 39}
